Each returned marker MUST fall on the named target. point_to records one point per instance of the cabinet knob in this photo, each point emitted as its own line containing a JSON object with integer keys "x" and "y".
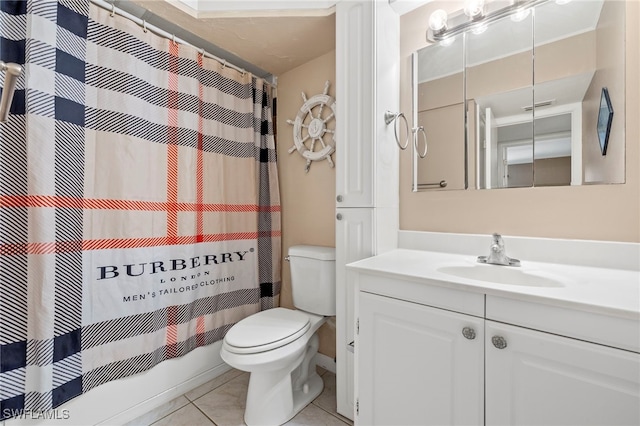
{"x": 339, "y": 198}
{"x": 339, "y": 216}
{"x": 499, "y": 342}
{"x": 469, "y": 333}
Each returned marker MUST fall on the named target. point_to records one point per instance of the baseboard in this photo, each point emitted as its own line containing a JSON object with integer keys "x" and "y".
{"x": 326, "y": 362}
{"x": 166, "y": 396}
{"x": 322, "y": 360}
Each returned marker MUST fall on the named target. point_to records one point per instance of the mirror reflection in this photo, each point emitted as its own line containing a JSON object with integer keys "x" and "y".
{"x": 439, "y": 107}
{"x": 529, "y": 89}
{"x": 499, "y": 90}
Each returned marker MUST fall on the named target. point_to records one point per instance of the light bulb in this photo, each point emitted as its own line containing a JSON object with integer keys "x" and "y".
{"x": 438, "y": 21}
{"x": 474, "y": 9}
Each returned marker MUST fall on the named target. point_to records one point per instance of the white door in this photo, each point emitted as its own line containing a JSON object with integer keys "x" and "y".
{"x": 490, "y": 150}
{"x": 544, "y": 379}
{"x": 415, "y": 367}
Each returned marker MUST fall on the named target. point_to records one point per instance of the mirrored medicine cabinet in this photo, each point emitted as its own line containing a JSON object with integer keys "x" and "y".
{"x": 517, "y": 103}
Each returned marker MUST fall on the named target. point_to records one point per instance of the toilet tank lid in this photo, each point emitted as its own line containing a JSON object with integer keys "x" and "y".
{"x": 313, "y": 252}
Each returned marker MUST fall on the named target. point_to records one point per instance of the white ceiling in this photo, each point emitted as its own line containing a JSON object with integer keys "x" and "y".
{"x": 265, "y": 37}
{"x": 263, "y": 41}
{"x": 255, "y": 8}
{"x": 563, "y": 91}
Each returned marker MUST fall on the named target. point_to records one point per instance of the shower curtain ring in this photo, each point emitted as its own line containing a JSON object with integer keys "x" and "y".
{"x": 144, "y": 25}
{"x": 113, "y": 9}
{"x": 224, "y": 63}
{"x": 173, "y": 38}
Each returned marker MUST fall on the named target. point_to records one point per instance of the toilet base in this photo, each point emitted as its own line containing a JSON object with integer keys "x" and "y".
{"x": 301, "y": 399}
{"x": 280, "y": 404}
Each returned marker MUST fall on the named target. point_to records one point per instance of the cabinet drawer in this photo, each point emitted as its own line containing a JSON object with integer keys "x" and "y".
{"x": 609, "y": 330}
{"x": 423, "y": 293}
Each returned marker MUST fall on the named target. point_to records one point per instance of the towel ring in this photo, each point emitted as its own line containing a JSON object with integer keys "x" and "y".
{"x": 393, "y": 117}
{"x": 417, "y": 130}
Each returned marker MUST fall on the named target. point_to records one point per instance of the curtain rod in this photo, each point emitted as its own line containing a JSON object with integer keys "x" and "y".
{"x": 162, "y": 33}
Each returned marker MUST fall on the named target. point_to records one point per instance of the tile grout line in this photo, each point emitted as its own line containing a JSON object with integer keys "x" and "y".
{"x": 336, "y": 415}
{"x": 170, "y": 413}
{"x": 190, "y": 401}
{"x": 205, "y": 414}
{"x": 212, "y": 389}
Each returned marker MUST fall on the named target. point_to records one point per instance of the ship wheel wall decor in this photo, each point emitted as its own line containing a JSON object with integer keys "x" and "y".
{"x": 311, "y": 126}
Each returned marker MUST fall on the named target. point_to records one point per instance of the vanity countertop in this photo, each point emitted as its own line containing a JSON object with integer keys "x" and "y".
{"x": 605, "y": 291}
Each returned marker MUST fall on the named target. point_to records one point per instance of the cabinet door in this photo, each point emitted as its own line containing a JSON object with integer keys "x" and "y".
{"x": 354, "y": 241}
{"x": 355, "y": 68}
{"x": 544, "y": 379}
{"x": 415, "y": 367}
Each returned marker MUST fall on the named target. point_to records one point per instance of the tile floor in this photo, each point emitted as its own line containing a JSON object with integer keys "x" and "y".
{"x": 221, "y": 402}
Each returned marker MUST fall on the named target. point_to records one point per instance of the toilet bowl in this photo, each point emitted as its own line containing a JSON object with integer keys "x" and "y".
{"x": 283, "y": 376}
{"x": 277, "y": 346}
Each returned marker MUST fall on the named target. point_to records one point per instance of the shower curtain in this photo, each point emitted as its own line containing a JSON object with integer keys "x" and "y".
{"x": 139, "y": 203}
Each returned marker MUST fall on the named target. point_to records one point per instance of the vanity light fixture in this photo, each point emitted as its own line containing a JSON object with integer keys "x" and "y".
{"x": 474, "y": 9}
{"x": 11, "y": 73}
{"x": 520, "y": 14}
{"x": 479, "y": 28}
{"x": 438, "y": 21}
{"x": 476, "y": 16}
{"x": 448, "y": 41}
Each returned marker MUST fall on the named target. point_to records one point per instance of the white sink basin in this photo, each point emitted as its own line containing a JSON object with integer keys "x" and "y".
{"x": 502, "y": 275}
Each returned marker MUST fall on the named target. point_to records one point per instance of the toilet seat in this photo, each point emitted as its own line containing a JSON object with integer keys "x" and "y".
{"x": 266, "y": 330}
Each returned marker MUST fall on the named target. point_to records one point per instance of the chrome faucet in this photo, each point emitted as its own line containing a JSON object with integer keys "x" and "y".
{"x": 497, "y": 256}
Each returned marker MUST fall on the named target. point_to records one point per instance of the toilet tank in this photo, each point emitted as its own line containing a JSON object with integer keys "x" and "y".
{"x": 313, "y": 279}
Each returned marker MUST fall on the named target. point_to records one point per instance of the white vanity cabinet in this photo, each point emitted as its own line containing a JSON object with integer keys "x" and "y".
{"x": 536, "y": 378}
{"x": 418, "y": 365}
{"x": 416, "y": 362}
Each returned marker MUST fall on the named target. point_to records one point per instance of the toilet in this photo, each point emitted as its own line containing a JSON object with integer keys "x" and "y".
{"x": 277, "y": 346}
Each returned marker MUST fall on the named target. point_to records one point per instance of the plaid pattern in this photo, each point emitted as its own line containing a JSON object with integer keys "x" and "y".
{"x": 139, "y": 203}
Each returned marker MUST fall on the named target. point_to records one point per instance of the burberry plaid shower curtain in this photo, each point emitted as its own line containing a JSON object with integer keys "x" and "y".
{"x": 139, "y": 203}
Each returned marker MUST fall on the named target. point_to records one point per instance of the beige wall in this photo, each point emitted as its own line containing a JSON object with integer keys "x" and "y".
{"x": 308, "y": 199}
{"x": 598, "y": 212}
